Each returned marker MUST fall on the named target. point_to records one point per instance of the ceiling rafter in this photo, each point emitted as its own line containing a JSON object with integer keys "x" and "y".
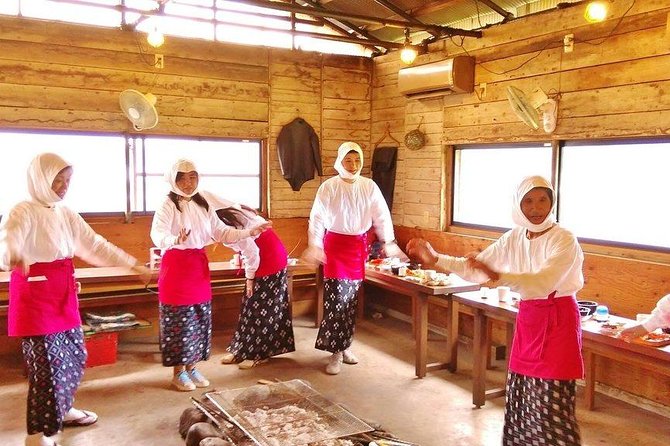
{"x": 400, "y": 12}
{"x": 441, "y": 30}
{"x": 347, "y": 28}
{"x": 495, "y": 7}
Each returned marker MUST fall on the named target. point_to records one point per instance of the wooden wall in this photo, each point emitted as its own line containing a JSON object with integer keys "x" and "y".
{"x": 68, "y": 77}
{"x": 614, "y": 84}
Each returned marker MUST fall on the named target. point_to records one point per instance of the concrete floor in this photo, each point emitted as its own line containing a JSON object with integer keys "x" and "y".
{"x": 137, "y": 406}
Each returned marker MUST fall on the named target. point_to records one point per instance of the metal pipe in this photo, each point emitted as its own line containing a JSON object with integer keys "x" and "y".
{"x": 399, "y": 11}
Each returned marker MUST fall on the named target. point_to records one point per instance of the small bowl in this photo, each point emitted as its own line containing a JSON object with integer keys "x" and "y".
{"x": 584, "y": 311}
{"x": 589, "y": 304}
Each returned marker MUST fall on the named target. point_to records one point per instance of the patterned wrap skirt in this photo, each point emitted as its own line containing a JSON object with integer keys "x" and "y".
{"x": 265, "y": 328}
{"x": 340, "y": 301}
{"x": 185, "y": 333}
{"x": 55, "y": 365}
{"x": 540, "y": 412}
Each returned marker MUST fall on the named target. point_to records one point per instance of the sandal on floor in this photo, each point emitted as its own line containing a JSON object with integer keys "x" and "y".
{"x": 228, "y": 358}
{"x": 251, "y": 363}
{"x": 88, "y": 419}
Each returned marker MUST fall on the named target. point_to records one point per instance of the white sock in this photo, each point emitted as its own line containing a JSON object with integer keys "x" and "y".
{"x": 39, "y": 440}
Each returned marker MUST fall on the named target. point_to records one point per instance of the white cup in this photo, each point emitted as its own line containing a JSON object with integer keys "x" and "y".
{"x": 484, "y": 292}
{"x": 235, "y": 261}
{"x": 503, "y": 293}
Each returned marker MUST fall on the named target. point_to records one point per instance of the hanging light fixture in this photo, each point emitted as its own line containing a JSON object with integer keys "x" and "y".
{"x": 596, "y": 11}
{"x": 408, "y": 53}
{"x": 155, "y": 38}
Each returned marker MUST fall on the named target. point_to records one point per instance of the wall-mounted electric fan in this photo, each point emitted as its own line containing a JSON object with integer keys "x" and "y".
{"x": 535, "y": 110}
{"x": 139, "y": 109}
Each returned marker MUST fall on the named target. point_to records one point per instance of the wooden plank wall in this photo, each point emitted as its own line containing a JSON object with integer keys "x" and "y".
{"x": 332, "y": 93}
{"x": 68, "y": 77}
{"x": 614, "y": 84}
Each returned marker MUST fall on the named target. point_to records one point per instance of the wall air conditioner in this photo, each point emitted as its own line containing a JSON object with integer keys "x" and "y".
{"x": 455, "y": 75}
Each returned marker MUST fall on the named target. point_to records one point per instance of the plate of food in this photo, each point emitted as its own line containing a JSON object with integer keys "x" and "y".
{"x": 655, "y": 338}
{"x": 611, "y": 328}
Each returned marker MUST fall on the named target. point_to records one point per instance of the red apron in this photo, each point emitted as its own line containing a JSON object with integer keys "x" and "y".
{"x": 183, "y": 278}
{"x": 43, "y": 302}
{"x": 548, "y": 339}
{"x": 345, "y": 256}
{"x": 273, "y": 255}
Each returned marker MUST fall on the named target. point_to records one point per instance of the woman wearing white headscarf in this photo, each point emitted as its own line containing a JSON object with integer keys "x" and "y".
{"x": 182, "y": 226}
{"x": 265, "y": 328}
{"x": 543, "y": 263}
{"x": 345, "y": 208}
{"x": 38, "y": 239}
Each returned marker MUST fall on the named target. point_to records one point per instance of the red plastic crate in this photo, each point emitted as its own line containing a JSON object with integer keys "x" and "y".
{"x": 102, "y": 349}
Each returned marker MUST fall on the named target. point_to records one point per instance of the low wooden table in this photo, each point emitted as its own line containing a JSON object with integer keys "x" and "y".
{"x": 100, "y": 284}
{"x": 421, "y": 296}
{"x": 483, "y": 310}
{"x": 595, "y": 344}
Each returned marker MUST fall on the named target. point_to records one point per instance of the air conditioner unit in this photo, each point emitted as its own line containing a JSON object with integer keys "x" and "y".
{"x": 455, "y": 75}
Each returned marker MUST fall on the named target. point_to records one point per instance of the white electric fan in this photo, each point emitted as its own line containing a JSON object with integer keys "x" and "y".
{"x": 535, "y": 110}
{"x": 139, "y": 109}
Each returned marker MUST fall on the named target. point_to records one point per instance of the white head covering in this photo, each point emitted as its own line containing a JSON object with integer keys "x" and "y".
{"x": 341, "y": 153}
{"x": 41, "y": 174}
{"x": 182, "y": 165}
{"x": 526, "y": 185}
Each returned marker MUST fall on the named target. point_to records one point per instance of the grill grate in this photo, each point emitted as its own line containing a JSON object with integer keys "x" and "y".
{"x": 289, "y": 413}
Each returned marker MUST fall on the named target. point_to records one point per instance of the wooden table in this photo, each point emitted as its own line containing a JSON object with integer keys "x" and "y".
{"x": 98, "y": 281}
{"x": 421, "y": 296}
{"x": 595, "y": 344}
{"x": 483, "y": 311}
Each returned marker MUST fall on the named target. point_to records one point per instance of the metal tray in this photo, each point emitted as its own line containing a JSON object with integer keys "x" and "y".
{"x": 289, "y": 413}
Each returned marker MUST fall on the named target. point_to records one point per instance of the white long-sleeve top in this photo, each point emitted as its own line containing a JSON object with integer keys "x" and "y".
{"x": 350, "y": 209}
{"x": 205, "y": 227}
{"x": 533, "y": 268}
{"x": 660, "y": 316}
{"x": 36, "y": 233}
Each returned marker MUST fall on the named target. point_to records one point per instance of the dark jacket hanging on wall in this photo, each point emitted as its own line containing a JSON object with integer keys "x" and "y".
{"x": 383, "y": 171}
{"x": 299, "y": 154}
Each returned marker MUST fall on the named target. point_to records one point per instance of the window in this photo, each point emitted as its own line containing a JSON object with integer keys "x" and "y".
{"x": 485, "y": 179}
{"x": 221, "y": 20}
{"x": 92, "y": 189}
{"x": 231, "y": 169}
{"x": 616, "y": 191}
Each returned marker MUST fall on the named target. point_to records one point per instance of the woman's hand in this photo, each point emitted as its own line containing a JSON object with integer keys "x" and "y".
{"x": 634, "y": 332}
{"x": 249, "y": 289}
{"x": 313, "y": 256}
{"x": 258, "y": 230}
{"x": 143, "y": 272}
{"x": 183, "y": 235}
{"x": 420, "y": 250}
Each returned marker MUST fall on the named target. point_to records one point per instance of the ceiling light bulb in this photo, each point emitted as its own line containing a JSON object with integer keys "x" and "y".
{"x": 596, "y": 12}
{"x": 155, "y": 38}
{"x": 408, "y": 54}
